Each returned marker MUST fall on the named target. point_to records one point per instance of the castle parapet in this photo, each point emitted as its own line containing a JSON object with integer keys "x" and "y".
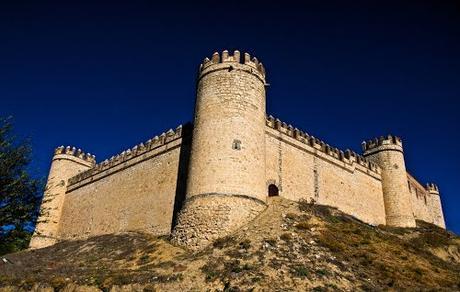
{"x": 137, "y": 150}
{"x": 388, "y": 141}
{"x": 347, "y": 156}
{"x": 226, "y": 58}
{"x": 432, "y": 188}
{"x": 61, "y": 151}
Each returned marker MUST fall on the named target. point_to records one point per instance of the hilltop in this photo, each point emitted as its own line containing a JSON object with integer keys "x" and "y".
{"x": 289, "y": 246}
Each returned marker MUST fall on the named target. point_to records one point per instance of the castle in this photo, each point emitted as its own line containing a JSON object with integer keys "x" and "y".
{"x": 200, "y": 182}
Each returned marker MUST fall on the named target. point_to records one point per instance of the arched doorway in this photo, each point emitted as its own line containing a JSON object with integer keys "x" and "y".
{"x": 273, "y": 190}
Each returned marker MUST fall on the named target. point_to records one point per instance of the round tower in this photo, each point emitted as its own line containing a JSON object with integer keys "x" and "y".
{"x": 66, "y": 163}
{"x": 388, "y": 153}
{"x": 226, "y": 185}
{"x": 435, "y": 205}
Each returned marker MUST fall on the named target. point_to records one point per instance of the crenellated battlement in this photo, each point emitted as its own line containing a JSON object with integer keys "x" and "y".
{"x": 74, "y": 152}
{"x": 347, "y": 156}
{"x": 432, "y": 188}
{"x": 225, "y": 57}
{"x": 381, "y": 141}
{"x": 137, "y": 150}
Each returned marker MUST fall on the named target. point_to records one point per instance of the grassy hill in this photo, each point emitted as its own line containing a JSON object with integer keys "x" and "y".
{"x": 290, "y": 246}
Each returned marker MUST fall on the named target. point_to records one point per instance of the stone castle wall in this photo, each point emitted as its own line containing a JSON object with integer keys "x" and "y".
{"x": 421, "y": 200}
{"x": 146, "y": 187}
{"x": 303, "y": 167}
{"x": 136, "y": 191}
{"x": 143, "y": 188}
{"x": 66, "y": 163}
{"x": 218, "y": 174}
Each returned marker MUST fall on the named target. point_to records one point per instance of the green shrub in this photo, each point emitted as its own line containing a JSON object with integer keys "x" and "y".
{"x": 300, "y": 271}
{"x": 321, "y": 272}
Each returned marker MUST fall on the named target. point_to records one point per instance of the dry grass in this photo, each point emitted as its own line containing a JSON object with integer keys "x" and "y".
{"x": 392, "y": 261}
{"x": 289, "y": 246}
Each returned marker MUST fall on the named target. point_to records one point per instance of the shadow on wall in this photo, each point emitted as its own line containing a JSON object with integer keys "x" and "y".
{"x": 182, "y": 173}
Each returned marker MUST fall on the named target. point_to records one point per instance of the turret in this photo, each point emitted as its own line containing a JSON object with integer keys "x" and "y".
{"x": 387, "y": 152}
{"x": 226, "y": 182}
{"x": 435, "y": 205}
{"x": 66, "y": 163}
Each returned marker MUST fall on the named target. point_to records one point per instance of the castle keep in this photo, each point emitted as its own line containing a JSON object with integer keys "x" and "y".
{"x": 203, "y": 181}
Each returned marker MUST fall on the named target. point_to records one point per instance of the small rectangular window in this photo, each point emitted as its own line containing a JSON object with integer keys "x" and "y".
{"x": 236, "y": 145}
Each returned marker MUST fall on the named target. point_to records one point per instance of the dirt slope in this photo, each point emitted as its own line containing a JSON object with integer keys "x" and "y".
{"x": 289, "y": 247}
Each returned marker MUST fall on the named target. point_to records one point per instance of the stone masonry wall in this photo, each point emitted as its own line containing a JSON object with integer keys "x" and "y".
{"x": 206, "y": 218}
{"x": 142, "y": 193}
{"x": 420, "y": 199}
{"x": 387, "y": 152}
{"x": 139, "y": 194}
{"x": 226, "y": 184}
{"x": 304, "y": 172}
{"x": 228, "y": 139}
{"x": 436, "y": 209}
{"x": 66, "y": 163}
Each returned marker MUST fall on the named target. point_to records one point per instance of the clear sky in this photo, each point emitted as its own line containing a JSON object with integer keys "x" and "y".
{"x": 105, "y": 76}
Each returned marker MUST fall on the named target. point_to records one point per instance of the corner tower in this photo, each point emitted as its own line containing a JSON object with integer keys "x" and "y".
{"x": 435, "y": 205}
{"x": 388, "y": 153}
{"x": 226, "y": 182}
{"x": 66, "y": 163}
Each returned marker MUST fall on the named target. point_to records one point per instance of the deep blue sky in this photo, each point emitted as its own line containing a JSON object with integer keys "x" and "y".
{"x": 107, "y": 76}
